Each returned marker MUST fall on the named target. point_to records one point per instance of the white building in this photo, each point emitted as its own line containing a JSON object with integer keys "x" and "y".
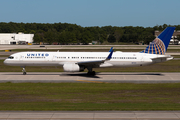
{"x": 13, "y": 38}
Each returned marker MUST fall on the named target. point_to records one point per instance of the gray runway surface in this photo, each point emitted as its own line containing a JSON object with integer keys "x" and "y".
{"x": 91, "y": 115}
{"x": 109, "y": 77}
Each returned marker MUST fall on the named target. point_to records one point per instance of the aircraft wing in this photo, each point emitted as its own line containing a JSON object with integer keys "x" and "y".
{"x": 96, "y": 62}
{"x": 87, "y": 63}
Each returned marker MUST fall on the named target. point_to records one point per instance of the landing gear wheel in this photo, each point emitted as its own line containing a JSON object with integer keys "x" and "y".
{"x": 91, "y": 73}
{"x": 24, "y": 71}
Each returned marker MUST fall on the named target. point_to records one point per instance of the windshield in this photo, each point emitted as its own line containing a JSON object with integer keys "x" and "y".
{"x": 10, "y": 57}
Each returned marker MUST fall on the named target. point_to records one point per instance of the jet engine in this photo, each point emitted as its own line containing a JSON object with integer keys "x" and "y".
{"x": 71, "y": 67}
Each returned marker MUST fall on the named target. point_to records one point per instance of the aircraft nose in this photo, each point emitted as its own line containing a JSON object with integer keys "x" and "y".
{"x": 5, "y": 62}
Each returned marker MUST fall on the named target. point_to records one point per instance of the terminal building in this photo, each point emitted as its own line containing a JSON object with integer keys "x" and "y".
{"x": 14, "y": 38}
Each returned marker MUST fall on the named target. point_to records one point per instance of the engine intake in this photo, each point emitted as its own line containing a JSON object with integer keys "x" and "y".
{"x": 71, "y": 67}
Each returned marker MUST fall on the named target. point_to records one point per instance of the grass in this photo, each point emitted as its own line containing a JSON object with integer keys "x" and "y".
{"x": 89, "y": 96}
{"x": 176, "y": 56}
{"x": 4, "y": 55}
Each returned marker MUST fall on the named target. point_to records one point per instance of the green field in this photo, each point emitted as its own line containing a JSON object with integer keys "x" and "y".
{"x": 89, "y": 96}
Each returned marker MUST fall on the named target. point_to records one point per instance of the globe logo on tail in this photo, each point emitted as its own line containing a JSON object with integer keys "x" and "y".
{"x": 156, "y": 47}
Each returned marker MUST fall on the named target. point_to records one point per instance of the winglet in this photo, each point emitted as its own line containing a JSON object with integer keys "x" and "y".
{"x": 111, "y": 49}
{"x": 110, "y": 54}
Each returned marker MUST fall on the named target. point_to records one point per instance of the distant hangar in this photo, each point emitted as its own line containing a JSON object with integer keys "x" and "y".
{"x": 14, "y": 38}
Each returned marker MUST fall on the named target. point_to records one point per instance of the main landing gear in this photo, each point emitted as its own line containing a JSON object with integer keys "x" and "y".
{"x": 24, "y": 71}
{"x": 90, "y": 72}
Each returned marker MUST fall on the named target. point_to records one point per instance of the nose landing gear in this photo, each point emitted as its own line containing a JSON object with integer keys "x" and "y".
{"x": 24, "y": 71}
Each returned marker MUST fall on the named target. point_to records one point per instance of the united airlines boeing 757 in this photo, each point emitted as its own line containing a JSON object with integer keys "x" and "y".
{"x": 79, "y": 61}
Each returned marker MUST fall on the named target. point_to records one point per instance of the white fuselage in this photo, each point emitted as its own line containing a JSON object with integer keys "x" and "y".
{"x": 119, "y": 59}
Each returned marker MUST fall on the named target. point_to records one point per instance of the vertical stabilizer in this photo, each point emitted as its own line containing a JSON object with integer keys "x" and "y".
{"x": 160, "y": 44}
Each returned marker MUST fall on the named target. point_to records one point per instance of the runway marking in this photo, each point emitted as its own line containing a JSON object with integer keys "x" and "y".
{"x": 90, "y": 81}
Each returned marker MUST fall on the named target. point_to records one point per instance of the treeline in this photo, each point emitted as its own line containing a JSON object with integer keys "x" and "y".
{"x": 64, "y": 33}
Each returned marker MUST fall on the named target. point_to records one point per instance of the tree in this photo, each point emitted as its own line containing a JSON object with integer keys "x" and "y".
{"x": 66, "y": 33}
{"x": 124, "y": 38}
{"x": 111, "y": 39}
{"x": 51, "y": 36}
{"x": 118, "y": 34}
{"x": 62, "y": 37}
{"x": 86, "y": 37}
{"x": 37, "y": 38}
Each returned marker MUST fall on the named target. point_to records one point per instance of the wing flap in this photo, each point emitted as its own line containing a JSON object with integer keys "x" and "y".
{"x": 98, "y": 62}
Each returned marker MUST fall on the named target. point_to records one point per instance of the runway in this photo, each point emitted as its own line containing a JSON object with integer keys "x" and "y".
{"x": 103, "y": 77}
{"x": 91, "y": 115}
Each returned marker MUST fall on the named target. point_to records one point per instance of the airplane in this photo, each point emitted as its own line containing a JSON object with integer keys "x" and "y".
{"x": 79, "y": 61}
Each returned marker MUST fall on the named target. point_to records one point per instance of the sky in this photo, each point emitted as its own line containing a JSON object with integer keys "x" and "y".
{"x": 88, "y": 13}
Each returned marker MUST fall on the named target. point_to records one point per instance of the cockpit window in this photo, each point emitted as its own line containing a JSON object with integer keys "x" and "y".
{"x": 10, "y": 57}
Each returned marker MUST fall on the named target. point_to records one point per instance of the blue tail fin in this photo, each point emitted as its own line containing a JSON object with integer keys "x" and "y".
{"x": 160, "y": 44}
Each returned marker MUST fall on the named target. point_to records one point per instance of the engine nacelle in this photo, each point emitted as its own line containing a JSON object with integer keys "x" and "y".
{"x": 71, "y": 67}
